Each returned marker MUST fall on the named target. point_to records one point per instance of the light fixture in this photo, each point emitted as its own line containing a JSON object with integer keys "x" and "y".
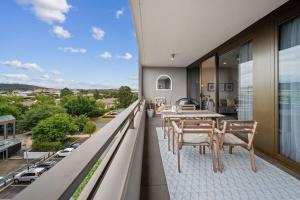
{"x": 172, "y": 56}
{"x": 224, "y": 63}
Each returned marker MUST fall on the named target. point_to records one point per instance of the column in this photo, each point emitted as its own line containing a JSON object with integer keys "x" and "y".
{"x": 5, "y": 131}
{"x": 14, "y": 130}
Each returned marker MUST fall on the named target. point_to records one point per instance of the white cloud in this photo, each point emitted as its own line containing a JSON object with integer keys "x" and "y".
{"x": 60, "y": 32}
{"x": 126, "y": 56}
{"x": 119, "y": 13}
{"x": 49, "y": 11}
{"x": 55, "y": 72}
{"x": 105, "y": 55}
{"x": 97, "y": 33}
{"x": 44, "y": 77}
{"x": 16, "y": 77}
{"x": 59, "y": 80}
{"x": 20, "y": 65}
{"x": 72, "y": 50}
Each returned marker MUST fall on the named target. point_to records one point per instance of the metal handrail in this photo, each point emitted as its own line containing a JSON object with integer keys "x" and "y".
{"x": 63, "y": 179}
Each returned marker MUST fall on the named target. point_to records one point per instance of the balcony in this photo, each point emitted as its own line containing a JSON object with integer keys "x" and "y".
{"x": 135, "y": 164}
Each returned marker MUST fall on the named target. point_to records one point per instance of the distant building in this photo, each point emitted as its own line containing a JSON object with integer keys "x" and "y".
{"x": 109, "y": 102}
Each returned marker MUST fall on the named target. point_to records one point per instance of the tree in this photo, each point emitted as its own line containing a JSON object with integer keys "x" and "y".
{"x": 81, "y": 105}
{"x": 37, "y": 113}
{"x": 81, "y": 121}
{"x": 65, "y": 92}
{"x": 42, "y": 99}
{"x": 54, "y": 128}
{"x": 125, "y": 96}
{"x": 10, "y": 109}
{"x": 97, "y": 94}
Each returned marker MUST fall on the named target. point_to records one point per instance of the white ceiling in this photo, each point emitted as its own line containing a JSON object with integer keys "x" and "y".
{"x": 191, "y": 28}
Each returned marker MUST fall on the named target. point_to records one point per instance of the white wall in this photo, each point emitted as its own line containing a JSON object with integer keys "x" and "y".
{"x": 179, "y": 83}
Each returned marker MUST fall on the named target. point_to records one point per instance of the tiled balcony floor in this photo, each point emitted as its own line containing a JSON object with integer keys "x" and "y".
{"x": 198, "y": 181}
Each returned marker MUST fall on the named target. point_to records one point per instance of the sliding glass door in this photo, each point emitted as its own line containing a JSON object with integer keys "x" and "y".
{"x": 235, "y": 80}
{"x": 289, "y": 89}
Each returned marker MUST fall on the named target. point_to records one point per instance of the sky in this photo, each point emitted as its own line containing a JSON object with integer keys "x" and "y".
{"x": 68, "y": 43}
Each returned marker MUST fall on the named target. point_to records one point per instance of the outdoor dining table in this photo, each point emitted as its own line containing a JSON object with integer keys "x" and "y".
{"x": 171, "y": 115}
{"x": 189, "y": 114}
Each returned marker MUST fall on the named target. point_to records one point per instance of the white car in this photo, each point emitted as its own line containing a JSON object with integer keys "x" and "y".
{"x": 65, "y": 152}
{"x": 29, "y": 175}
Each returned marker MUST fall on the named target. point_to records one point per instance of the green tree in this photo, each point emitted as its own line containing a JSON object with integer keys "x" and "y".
{"x": 81, "y": 105}
{"x": 65, "y": 92}
{"x": 10, "y": 109}
{"x": 97, "y": 94}
{"x": 125, "y": 96}
{"x": 42, "y": 99}
{"x": 37, "y": 113}
{"x": 54, "y": 128}
{"x": 81, "y": 121}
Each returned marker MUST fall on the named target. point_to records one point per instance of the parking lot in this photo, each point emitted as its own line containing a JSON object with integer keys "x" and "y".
{"x": 12, "y": 189}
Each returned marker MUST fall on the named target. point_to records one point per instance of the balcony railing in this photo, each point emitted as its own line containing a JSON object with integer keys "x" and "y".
{"x": 119, "y": 147}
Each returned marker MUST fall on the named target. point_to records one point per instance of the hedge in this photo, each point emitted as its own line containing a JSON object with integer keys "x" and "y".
{"x": 89, "y": 127}
{"x": 46, "y": 146}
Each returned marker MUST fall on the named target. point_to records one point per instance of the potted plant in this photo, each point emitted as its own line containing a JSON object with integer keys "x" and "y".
{"x": 150, "y": 110}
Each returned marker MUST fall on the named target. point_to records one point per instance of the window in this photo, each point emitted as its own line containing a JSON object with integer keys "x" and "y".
{"x": 289, "y": 89}
{"x": 164, "y": 82}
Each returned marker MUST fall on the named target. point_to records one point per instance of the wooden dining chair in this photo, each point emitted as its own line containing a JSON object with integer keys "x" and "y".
{"x": 232, "y": 134}
{"x": 188, "y": 107}
{"x": 195, "y": 133}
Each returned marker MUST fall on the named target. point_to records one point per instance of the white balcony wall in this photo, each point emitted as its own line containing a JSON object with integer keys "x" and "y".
{"x": 179, "y": 83}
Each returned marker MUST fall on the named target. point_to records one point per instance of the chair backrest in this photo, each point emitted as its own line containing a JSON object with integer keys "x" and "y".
{"x": 240, "y": 128}
{"x": 188, "y": 107}
{"x": 197, "y": 126}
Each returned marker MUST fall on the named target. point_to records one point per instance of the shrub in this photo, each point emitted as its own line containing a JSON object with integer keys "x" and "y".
{"x": 54, "y": 128}
{"x": 89, "y": 128}
{"x": 46, "y": 146}
{"x": 80, "y": 121}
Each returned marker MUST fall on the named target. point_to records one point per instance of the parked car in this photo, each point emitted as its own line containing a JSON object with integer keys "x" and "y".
{"x": 29, "y": 175}
{"x": 46, "y": 164}
{"x": 188, "y": 101}
{"x": 65, "y": 152}
{"x": 2, "y": 180}
{"x": 75, "y": 145}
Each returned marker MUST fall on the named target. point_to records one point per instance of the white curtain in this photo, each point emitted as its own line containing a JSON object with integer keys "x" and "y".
{"x": 289, "y": 89}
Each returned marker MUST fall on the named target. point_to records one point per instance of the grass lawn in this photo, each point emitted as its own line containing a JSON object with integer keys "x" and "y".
{"x": 101, "y": 119}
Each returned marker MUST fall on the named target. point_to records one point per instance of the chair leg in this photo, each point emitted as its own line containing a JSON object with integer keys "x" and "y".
{"x": 178, "y": 159}
{"x": 230, "y": 149}
{"x": 169, "y": 140}
{"x": 164, "y": 127}
{"x": 203, "y": 149}
{"x": 220, "y": 165}
{"x": 173, "y": 140}
{"x": 252, "y": 159}
{"x": 200, "y": 149}
{"x": 213, "y": 158}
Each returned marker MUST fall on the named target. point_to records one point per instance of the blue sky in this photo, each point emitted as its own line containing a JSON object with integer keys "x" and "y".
{"x": 68, "y": 43}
